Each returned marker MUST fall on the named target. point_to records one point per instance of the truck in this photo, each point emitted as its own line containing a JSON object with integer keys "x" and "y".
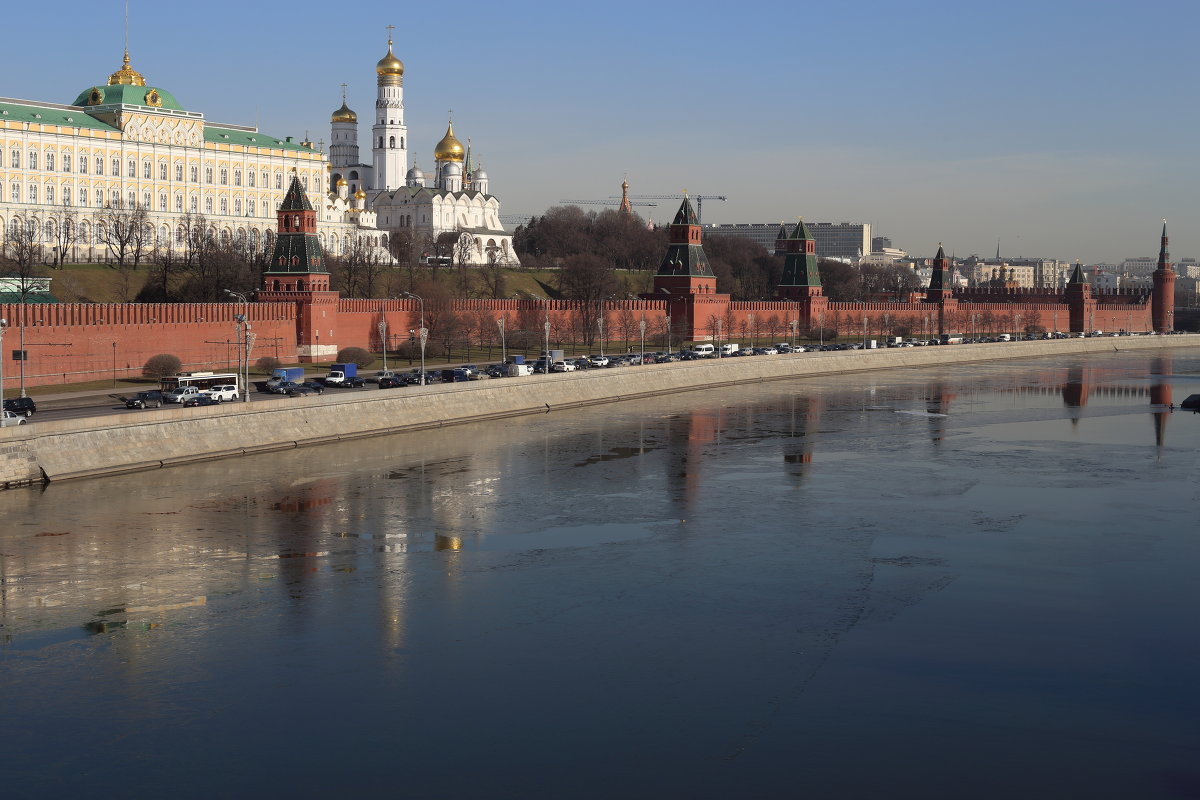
{"x": 282, "y": 374}
{"x": 729, "y": 348}
{"x": 870, "y": 344}
{"x": 950, "y": 338}
{"x": 519, "y": 370}
{"x": 344, "y": 375}
{"x": 458, "y": 375}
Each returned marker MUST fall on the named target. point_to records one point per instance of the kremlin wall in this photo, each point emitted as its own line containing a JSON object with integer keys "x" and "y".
{"x": 295, "y": 318}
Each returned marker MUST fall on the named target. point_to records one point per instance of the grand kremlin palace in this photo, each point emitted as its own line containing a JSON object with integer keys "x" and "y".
{"x": 124, "y": 143}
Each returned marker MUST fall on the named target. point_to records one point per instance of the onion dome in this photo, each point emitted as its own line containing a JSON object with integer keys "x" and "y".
{"x": 342, "y": 182}
{"x": 344, "y": 114}
{"x": 480, "y": 175}
{"x": 389, "y": 65}
{"x": 126, "y": 75}
{"x": 360, "y": 194}
{"x": 414, "y": 174}
{"x": 449, "y": 148}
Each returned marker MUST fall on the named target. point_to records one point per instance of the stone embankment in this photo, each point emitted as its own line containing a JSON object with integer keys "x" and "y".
{"x": 130, "y": 441}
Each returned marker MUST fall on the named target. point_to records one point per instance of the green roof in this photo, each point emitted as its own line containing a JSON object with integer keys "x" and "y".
{"x": 48, "y": 115}
{"x": 220, "y": 135}
{"x": 127, "y": 95}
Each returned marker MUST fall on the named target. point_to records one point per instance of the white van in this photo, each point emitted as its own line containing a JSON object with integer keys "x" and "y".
{"x": 704, "y": 350}
{"x": 519, "y": 370}
{"x": 729, "y": 348}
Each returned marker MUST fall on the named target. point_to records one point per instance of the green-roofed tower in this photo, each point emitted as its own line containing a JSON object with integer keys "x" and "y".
{"x": 801, "y": 277}
{"x": 940, "y": 287}
{"x": 297, "y": 249}
{"x": 684, "y": 268}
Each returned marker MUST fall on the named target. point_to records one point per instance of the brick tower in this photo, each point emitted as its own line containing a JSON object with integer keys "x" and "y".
{"x": 1080, "y": 301}
{"x": 801, "y": 278}
{"x": 297, "y": 274}
{"x": 686, "y": 281}
{"x": 1162, "y": 303}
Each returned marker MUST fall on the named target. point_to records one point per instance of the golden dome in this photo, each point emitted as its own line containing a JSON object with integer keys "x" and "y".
{"x": 342, "y": 182}
{"x": 389, "y": 64}
{"x": 344, "y": 114}
{"x": 449, "y": 148}
{"x": 360, "y": 194}
{"x": 126, "y": 75}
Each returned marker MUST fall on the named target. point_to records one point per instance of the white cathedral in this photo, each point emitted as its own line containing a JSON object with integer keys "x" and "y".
{"x": 451, "y": 214}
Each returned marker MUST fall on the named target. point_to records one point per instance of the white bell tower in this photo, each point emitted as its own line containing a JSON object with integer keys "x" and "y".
{"x": 389, "y": 137}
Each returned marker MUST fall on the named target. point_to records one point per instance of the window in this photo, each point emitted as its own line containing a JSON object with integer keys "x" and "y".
{"x": 208, "y": 205}
{"x": 179, "y": 172}
{"x": 224, "y": 205}
{"x": 116, "y": 167}
{"x": 15, "y": 161}
{"x": 250, "y": 208}
{"x": 208, "y": 174}
{"x": 132, "y": 168}
{"x": 237, "y": 206}
{"x": 381, "y": 140}
{"x": 131, "y": 196}
{"x": 266, "y": 180}
{"x": 83, "y": 197}
{"x": 278, "y": 180}
{"x": 237, "y": 177}
{"x": 179, "y": 236}
{"x": 148, "y": 170}
{"x": 392, "y": 141}
{"x": 224, "y": 177}
{"x": 32, "y": 193}
{"x": 179, "y": 203}
{"x": 49, "y": 194}
{"x": 33, "y": 159}
{"x": 250, "y": 178}
{"x": 192, "y": 204}
{"x": 162, "y": 202}
{"x": 66, "y": 195}
{"x": 50, "y": 162}
{"x": 16, "y": 192}
{"x": 304, "y": 181}
{"x": 401, "y": 142}
{"x": 162, "y": 171}
{"x": 195, "y": 178}
{"x": 66, "y": 162}
{"x": 83, "y": 164}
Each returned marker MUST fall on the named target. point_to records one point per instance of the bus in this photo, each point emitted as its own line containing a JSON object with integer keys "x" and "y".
{"x": 201, "y": 380}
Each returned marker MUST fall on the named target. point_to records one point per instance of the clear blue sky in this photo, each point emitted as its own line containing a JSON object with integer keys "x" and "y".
{"x": 1063, "y": 128}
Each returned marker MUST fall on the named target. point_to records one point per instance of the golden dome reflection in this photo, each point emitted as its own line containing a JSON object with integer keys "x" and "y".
{"x": 449, "y": 148}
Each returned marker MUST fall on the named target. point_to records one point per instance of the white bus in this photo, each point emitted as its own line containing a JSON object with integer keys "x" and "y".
{"x": 201, "y": 380}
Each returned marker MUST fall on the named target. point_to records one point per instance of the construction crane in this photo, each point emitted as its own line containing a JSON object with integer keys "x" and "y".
{"x": 516, "y": 219}
{"x": 609, "y": 202}
{"x": 699, "y": 198}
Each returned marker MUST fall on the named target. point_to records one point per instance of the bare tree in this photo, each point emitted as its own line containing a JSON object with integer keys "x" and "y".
{"x": 122, "y": 230}
{"x": 23, "y": 245}
{"x": 63, "y": 232}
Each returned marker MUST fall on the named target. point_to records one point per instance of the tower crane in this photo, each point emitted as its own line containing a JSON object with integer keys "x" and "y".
{"x": 699, "y": 198}
{"x": 608, "y": 202}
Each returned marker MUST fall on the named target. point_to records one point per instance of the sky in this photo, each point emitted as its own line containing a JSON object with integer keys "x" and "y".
{"x": 1058, "y": 128}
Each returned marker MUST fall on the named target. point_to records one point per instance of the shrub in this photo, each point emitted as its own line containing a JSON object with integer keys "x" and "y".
{"x": 267, "y": 364}
{"x": 162, "y": 365}
{"x": 357, "y": 355}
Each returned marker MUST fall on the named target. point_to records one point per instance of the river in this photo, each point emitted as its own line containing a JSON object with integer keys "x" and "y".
{"x": 975, "y": 581}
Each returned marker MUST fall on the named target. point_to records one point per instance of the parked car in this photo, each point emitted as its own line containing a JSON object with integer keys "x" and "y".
{"x": 316, "y": 386}
{"x": 599, "y": 361}
{"x": 497, "y": 371}
{"x": 383, "y": 373}
{"x": 226, "y": 393}
{"x": 348, "y": 382}
{"x": 392, "y": 382}
{"x": 181, "y": 394}
{"x": 664, "y": 358}
{"x": 299, "y": 389}
{"x": 22, "y": 406}
{"x": 201, "y": 400}
{"x": 152, "y": 398}
{"x": 10, "y": 419}
{"x": 563, "y": 366}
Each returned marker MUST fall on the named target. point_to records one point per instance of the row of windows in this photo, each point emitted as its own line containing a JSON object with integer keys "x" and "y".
{"x": 131, "y": 200}
{"x": 147, "y": 169}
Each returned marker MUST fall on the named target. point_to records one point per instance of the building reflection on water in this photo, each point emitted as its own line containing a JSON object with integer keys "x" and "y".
{"x": 94, "y": 556}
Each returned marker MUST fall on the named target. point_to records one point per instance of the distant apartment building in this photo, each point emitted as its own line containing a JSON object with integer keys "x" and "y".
{"x": 841, "y": 240}
{"x": 1138, "y": 266}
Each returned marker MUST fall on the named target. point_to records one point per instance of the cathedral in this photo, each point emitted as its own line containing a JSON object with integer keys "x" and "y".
{"x": 451, "y": 214}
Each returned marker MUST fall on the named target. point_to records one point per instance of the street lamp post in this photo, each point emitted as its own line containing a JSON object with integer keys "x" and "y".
{"x": 718, "y": 338}
{"x": 546, "y": 352}
{"x": 383, "y": 341}
{"x": 600, "y": 325}
{"x": 423, "y": 332}
{"x": 3, "y": 330}
{"x": 242, "y": 332}
{"x": 668, "y": 333}
{"x": 503, "y": 343}
{"x": 750, "y": 325}
{"x": 642, "y": 328}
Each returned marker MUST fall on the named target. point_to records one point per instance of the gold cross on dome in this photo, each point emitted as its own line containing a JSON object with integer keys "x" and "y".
{"x": 390, "y": 28}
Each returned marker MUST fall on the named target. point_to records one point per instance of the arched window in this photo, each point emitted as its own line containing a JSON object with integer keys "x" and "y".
{"x": 33, "y": 159}
{"x": 15, "y": 159}
{"x": 66, "y": 162}
{"x": 83, "y": 164}
{"x": 83, "y": 197}
{"x": 50, "y": 194}
{"x": 50, "y": 162}
{"x": 132, "y": 172}
{"x": 380, "y": 142}
{"x": 193, "y": 204}
{"x": 179, "y": 172}
{"x": 146, "y": 199}
{"x": 224, "y": 177}
{"x": 401, "y": 142}
{"x": 195, "y": 174}
{"x": 250, "y": 206}
{"x": 224, "y": 205}
{"x": 208, "y": 205}
{"x": 179, "y": 203}
{"x": 32, "y": 193}
{"x": 148, "y": 170}
{"x": 162, "y": 171}
{"x": 275, "y": 283}
{"x": 392, "y": 142}
{"x": 237, "y": 206}
{"x": 66, "y": 195}
{"x": 131, "y": 196}
{"x": 162, "y": 201}
{"x": 208, "y": 174}
{"x": 250, "y": 178}
{"x": 179, "y": 235}
{"x": 237, "y": 177}
{"x": 278, "y": 180}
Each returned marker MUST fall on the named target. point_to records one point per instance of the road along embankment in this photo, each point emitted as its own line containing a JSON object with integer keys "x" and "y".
{"x": 141, "y": 440}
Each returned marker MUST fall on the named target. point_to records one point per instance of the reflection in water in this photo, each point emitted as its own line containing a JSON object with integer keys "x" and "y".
{"x": 719, "y": 580}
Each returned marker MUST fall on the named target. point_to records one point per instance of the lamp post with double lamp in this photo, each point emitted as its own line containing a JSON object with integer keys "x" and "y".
{"x": 383, "y": 341}
{"x": 668, "y": 333}
{"x": 3, "y": 330}
{"x": 242, "y": 329}
{"x": 546, "y": 352}
{"x": 718, "y": 338}
{"x": 642, "y": 328}
{"x": 423, "y": 332}
{"x": 503, "y": 343}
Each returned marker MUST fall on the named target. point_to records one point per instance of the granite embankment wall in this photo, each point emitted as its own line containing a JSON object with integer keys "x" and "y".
{"x": 129, "y": 441}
